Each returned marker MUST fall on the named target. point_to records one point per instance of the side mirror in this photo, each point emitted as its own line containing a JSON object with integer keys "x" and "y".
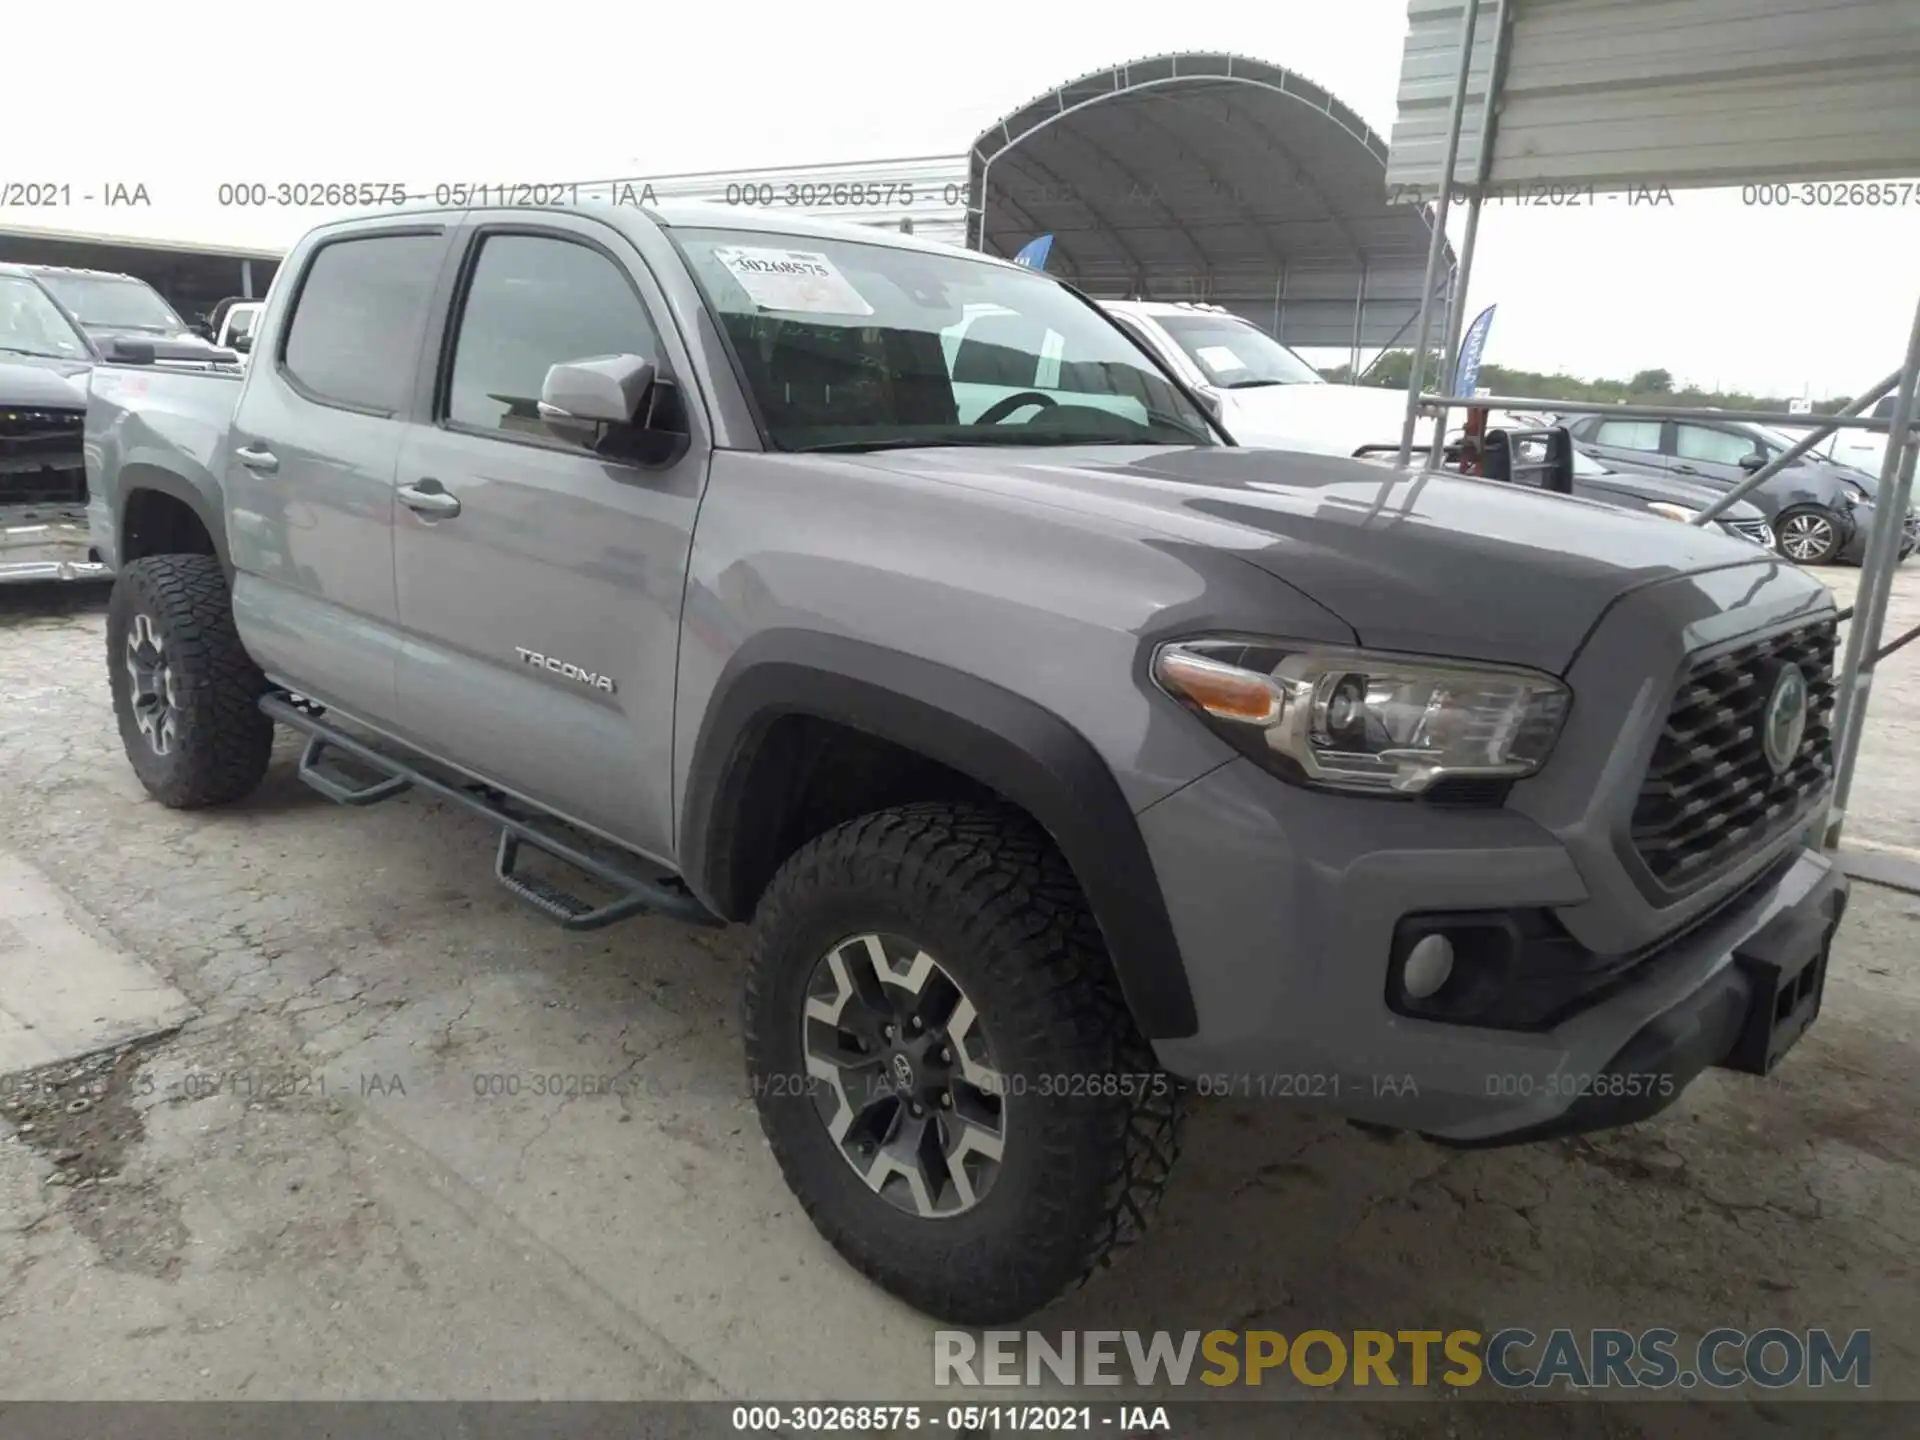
{"x": 607, "y": 389}
{"x": 1753, "y": 462}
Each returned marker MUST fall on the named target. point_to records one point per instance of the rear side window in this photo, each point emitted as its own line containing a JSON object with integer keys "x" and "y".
{"x": 1629, "y": 434}
{"x": 355, "y": 333}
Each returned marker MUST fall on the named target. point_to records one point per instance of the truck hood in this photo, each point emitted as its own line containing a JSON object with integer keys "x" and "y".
{"x": 1426, "y": 562}
{"x": 1320, "y": 419}
{"x": 51, "y": 384}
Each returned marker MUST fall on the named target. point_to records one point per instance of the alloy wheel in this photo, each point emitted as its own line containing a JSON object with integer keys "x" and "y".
{"x": 1806, "y": 537}
{"x": 903, "y": 1076}
{"x": 155, "y": 694}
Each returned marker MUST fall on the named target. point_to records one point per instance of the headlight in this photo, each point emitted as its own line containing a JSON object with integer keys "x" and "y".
{"x": 1362, "y": 721}
{"x": 1852, "y": 493}
{"x": 1672, "y": 512}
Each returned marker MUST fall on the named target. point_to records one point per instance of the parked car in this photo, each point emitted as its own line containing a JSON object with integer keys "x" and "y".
{"x": 232, "y": 323}
{"x": 1261, "y": 391}
{"x": 1820, "y": 512}
{"x": 44, "y": 361}
{"x": 1064, "y": 757}
{"x": 109, "y": 311}
{"x": 1863, "y": 450}
{"x": 1666, "y": 497}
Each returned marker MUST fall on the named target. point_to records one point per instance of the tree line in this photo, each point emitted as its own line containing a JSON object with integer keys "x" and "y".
{"x": 1647, "y": 387}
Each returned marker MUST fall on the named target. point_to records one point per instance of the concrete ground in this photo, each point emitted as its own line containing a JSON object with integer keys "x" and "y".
{"x": 309, "y": 1192}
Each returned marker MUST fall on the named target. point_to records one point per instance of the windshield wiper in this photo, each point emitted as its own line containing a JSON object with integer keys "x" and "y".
{"x": 1257, "y": 383}
{"x": 40, "y": 354}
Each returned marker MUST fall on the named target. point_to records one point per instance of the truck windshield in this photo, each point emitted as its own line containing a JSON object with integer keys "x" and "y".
{"x": 114, "y": 302}
{"x": 31, "y": 324}
{"x": 853, "y": 346}
{"x": 1235, "y": 355}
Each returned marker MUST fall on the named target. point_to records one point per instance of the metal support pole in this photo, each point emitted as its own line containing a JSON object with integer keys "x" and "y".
{"x": 1786, "y": 457}
{"x": 1456, "y": 309}
{"x": 1489, "y": 119}
{"x": 1359, "y": 315}
{"x": 246, "y": 279}
{"x": 1877, "y": 570}
{"x": 1437, "y": 249}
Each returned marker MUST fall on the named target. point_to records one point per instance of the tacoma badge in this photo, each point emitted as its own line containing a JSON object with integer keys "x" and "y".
{"x": 560, "y": 667}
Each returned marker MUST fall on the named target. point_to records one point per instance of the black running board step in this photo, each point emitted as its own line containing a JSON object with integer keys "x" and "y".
{"x": 634, "y": 895}
{"x": 565, "y": 908}
{"x": 338, "y": 784}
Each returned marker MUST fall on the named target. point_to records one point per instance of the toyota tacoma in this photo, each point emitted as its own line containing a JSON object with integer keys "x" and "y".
{"x": 1067, "y": 759}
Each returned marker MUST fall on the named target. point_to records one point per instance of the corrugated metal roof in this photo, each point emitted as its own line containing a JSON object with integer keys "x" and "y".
{"x": 1681, "y": 93}
{"x": 1208, "y": 176}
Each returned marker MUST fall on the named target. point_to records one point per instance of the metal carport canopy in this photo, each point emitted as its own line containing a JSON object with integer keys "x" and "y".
{"x": 1676, "y": 93}
{"x": 1208, "y": 177}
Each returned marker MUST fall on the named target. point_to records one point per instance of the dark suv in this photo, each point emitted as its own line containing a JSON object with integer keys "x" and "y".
{"x": 1821, "y": 512}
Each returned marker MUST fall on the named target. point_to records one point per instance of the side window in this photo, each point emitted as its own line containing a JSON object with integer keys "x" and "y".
{"x": 355, "y": 333}
{"x": 1629, "y": 434}
{"x": 1884, "y": 410}
{"x": 535, "y": 302}
{"x": 1716, "y": 447}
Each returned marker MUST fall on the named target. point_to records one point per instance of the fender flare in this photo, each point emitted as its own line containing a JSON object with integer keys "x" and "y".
{"x": 1012, "y": 745}
{"x": 136, "y": 477}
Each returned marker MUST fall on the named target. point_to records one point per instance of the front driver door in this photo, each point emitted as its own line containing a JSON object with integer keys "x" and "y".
{"x": 541, "y": 596}
{"x": 1710, "y": 455}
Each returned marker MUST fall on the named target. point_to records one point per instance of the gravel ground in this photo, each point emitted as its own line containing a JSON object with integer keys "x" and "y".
{"x": 307, "y": 1192}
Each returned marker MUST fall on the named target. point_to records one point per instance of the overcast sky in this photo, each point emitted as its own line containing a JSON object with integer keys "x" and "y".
{"x": 1813, "y": 301}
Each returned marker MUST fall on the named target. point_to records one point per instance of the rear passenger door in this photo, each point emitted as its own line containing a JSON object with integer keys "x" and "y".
{"x": 308, "y": 474}
{"x": 1710, "y": 453}
{"x": 543, "y": 613}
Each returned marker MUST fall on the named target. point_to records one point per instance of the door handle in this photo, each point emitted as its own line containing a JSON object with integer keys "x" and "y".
{"x": 265, "y": 461}
{"x": 1685, "y": 470}
{"x": 429, "y": 498}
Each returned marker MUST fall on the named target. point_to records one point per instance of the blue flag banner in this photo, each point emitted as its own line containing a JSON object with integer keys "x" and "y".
{"x": 1033, "y": 254}
{"x": 1471, "y": 349}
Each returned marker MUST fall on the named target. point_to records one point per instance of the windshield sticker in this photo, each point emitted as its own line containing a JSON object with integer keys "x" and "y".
{"x": 1218, "y": 357}
{"x": 803, "y": 281}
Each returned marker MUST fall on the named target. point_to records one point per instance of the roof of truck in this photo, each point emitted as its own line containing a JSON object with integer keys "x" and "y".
{"x": 689, "y": 215}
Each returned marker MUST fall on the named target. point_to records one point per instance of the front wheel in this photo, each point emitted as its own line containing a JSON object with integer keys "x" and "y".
{"x": 944, "y": 1066}
{"x": 184, "y": 689}
{"x": 1809, "y": 535}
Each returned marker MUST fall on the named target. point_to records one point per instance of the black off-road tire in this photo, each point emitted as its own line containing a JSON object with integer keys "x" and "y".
{"x": 987, "y": 895}
{"x": 219, "y": 743}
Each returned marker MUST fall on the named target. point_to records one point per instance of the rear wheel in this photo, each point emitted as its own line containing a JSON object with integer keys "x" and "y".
{"x": 185, "y": 692}
{"x": 944, "y": 1066}
{"x": 1809, "y": 535}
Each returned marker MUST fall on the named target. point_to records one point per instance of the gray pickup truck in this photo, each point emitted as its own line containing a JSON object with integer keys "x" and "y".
{"x": 1068, "y": 759}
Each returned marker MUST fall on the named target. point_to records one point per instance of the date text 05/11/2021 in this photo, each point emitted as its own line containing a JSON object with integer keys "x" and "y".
{"x": 321, "y": 194}
{"x": 959, "y": 1420}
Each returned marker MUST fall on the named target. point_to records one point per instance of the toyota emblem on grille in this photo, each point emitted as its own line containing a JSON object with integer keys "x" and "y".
{"x": 1785, "y": 722}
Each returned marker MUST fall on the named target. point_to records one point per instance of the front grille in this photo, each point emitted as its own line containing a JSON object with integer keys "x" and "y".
{"x": 1710, "y": 796}
{"x": 41, "y": 460}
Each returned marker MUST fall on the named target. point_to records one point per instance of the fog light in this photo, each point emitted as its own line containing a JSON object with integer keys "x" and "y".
{"x": 1428, "y": 966}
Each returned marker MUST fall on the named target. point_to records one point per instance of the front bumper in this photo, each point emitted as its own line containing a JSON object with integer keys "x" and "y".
{"x": 37, "y": 544}
{"x": 1855, "y": 550}
{"x": 1287, "y": 941}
